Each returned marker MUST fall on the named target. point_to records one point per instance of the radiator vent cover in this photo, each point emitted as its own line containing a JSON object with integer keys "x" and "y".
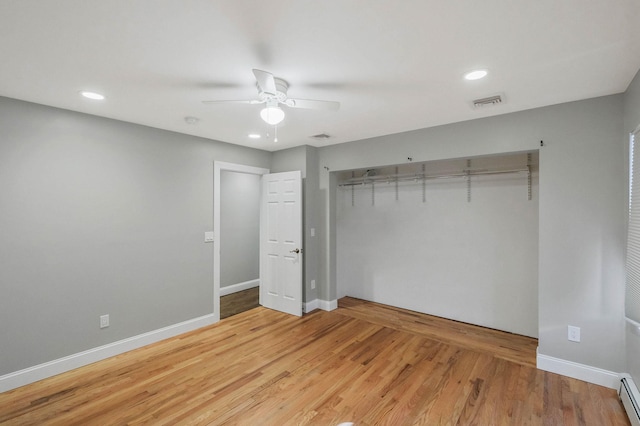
{"x": 488, "y": 101}
{"x": 629, "y": 397}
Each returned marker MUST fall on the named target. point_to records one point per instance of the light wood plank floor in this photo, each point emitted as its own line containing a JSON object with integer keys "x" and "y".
{"x": 235, "y": 303}
{"x": 364, "y": 362}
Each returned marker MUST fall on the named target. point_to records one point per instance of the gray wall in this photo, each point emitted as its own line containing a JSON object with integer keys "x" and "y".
{"x": 304, "y": 158}
{"x": 631, "y": 122}
{"x": 581, "y": 218}
{"x": 100, "y": 217}
{"x": 583, "y": 211}
{"x": 239, "y": 227}
{"x": 632, "y": 106}
{"x": 312, "y": 195}
{"x": 291, "y": 159}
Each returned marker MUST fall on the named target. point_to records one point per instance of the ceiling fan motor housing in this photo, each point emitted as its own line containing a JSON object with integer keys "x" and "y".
{"x": 281, "y": 91}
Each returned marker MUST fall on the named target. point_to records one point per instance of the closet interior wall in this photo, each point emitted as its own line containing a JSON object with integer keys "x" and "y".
{"x": 454, "y": 238}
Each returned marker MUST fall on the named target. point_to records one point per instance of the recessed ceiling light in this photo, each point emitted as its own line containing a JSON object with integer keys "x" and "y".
{"x": 92, "y": 95}
{"x": 475, "y": 75}
{"x": 254, "y": 136}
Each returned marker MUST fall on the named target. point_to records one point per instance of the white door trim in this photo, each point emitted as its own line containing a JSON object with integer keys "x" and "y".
{"x": 218, "y": 167}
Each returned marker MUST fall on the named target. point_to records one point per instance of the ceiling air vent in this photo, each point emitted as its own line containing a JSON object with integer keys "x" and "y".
{"x": 320, "y": 136}
{"x": 485, "y": 102}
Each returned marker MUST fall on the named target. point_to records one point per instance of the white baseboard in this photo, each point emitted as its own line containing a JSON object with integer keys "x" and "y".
{"x": 234, "y": 288}
{"x": 583, "y": 372}
{"x": 328, "y": 305}
{"x": 61, "y": 365}
{"x": 310, "y": 306}
{"x": 325, "y": 305}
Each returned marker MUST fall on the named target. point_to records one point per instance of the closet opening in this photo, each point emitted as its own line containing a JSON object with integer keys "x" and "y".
{"x": 453, "y": 238}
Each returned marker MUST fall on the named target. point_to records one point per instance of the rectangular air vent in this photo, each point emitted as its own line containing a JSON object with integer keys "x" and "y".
{"x": 321, "y": 136}
{"x": 485, "y": 102}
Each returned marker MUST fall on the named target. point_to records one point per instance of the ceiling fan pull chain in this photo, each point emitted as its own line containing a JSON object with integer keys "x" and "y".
{"x": 275, "y": 133}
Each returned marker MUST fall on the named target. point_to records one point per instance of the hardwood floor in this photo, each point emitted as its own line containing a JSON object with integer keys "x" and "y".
{"x": 235, "y": 303}
{"x": 364, "y": 362}
{"x": 507, "y": 346}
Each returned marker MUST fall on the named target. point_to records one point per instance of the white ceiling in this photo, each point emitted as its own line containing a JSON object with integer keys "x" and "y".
{"x": 394, "y": 65}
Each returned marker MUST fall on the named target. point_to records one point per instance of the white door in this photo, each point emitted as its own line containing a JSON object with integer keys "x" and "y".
{"x": 281, "y": 242}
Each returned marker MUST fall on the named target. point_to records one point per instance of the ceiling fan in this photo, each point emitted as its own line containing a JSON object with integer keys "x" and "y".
{"x": 272, "y": 92}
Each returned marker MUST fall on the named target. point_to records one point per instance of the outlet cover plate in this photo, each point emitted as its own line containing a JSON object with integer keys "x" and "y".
{"x": 104, "y": 321}
{"x": 573, "y": 333}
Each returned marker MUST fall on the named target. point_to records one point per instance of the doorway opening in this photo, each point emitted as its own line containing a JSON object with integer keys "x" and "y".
{"x": 236, "y": 243}
{"x": 239, "y": 302}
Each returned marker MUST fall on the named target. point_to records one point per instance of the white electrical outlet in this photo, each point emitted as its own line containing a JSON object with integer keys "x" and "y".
{"x": 573, "y": 333}
{"x": 313, "y": 284}
{"x": 104, "y": 321}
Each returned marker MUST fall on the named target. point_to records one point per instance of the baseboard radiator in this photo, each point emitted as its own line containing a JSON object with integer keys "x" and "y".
{"x": 630, "y": 398}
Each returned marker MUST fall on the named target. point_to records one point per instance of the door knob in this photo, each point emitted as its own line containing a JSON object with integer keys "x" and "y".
{"x": 296, "y": 251}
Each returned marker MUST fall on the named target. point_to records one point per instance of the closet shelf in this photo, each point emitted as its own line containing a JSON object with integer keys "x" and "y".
{"x": 419, "y": 177}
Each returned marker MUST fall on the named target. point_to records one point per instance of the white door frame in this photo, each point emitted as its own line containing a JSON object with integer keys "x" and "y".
{"x": 218, "y": 167}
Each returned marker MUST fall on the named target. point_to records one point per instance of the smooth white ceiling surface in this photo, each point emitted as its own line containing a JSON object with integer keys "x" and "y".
{"x": 394, "y": 65}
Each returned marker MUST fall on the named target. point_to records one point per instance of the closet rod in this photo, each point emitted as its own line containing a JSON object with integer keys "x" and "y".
{"x": 420, "y": 176}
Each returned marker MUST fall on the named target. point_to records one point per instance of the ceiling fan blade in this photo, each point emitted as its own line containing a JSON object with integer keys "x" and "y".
{"x": 265, "y": 80}
{"x": 312, "y": 104}
{"x": 252, "y": 102}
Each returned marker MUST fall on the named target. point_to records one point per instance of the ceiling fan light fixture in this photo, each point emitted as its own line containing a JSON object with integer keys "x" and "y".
{"x": 272, "y": 115}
